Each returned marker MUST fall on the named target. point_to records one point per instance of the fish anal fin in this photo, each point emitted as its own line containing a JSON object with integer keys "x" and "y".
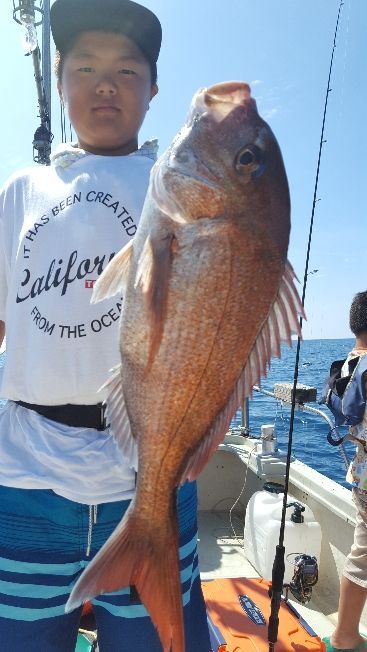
{"x": 113, "y": 279}
{"x": 281, "y": 322}
{"x": 131, "y": 557}
{"x": 153, "y": 276}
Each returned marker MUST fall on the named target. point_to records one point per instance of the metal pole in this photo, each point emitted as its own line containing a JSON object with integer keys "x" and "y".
{"x": 39, "y": 85}
{"x": 26, "y": 14}
{"x": 46, "y": 57}
{"x": 245, "y": 417}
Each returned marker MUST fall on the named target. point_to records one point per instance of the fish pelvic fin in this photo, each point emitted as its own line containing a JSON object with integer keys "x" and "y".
{"x": 279, "y": 325}
{"x": 118, "y": 419}
{"x": 147, "y": 560}
{"x": 153, "y": 276}
{"x": 114, "y": 278}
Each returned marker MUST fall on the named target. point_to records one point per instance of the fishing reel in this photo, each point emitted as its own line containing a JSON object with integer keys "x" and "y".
{"x": 305, "y": 576}
{"x": 42, "y": 144}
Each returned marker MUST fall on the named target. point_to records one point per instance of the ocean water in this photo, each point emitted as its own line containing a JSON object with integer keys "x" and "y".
{"x": 309, "y": 441}
{"x": 309, "y": 431}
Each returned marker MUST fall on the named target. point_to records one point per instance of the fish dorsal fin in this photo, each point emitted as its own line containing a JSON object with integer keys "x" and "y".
{"x": 118, "y": 419}
{"x": 153, "y": 276}
{"x": 281, "y": 322}
{"x": 113, "y": 279}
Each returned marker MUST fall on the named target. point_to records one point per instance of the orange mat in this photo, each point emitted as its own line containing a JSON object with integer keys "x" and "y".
{"x": 239, "y": 610}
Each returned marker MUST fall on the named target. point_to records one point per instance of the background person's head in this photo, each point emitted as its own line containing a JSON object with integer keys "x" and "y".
{"x": 106, "y": 67}
{"x": 358, "y": 314}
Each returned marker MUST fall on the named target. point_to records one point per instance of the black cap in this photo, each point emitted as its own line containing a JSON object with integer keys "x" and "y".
{"x": 71, "y": 17}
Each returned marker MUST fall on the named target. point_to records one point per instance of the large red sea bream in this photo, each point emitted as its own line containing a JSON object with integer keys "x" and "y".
{"x": 208, "y": 297}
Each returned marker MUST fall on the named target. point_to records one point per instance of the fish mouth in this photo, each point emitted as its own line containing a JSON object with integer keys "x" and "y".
{"x": 220, "y": 99}
{"x": 202, "y": 180}
{"x": 186, "y": 166}
{"x": 232, "y": 92}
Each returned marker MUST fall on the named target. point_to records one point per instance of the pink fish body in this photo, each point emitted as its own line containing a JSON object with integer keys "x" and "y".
{"x": 208, "y": 296}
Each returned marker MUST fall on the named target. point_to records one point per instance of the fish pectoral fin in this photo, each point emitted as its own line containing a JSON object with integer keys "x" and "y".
{"x": 118, "y": 418}
{"x": 134, "y": 556}
{"x": 281, "y": 322}
{"x": 153, "y": 276}
{"x": 114, "y": 278}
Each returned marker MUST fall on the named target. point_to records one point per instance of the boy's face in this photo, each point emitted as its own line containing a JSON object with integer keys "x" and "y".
{"x": 106, "y": 88}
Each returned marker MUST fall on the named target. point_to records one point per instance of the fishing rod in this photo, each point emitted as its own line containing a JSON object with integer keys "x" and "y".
{"x": 278, "y": 566}
{"x": 30, "y": 15}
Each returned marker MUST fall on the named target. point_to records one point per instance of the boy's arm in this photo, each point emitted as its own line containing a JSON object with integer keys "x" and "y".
{"x": 2, "y": 332}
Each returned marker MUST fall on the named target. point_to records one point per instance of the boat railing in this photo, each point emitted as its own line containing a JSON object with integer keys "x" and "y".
{"x": 298, "y": 405}
{"x": 283, "y": 393}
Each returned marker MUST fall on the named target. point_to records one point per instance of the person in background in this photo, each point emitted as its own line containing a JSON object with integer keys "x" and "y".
{"x": 353, "y": 584}
{"x": 64, "y": 484}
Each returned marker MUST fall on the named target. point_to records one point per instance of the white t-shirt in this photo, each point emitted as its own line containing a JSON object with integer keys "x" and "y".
{"x": 59, "y": 227}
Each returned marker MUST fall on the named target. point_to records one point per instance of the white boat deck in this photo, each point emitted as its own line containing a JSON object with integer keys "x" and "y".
{"x": 221, "y": 553}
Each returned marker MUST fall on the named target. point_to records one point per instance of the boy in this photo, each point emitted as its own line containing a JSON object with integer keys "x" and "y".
{"x": 64, "y": 483}
{"x": 353, "y": 584}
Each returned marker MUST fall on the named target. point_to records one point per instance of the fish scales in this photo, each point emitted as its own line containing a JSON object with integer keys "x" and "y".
{"x": 208, "y": 294}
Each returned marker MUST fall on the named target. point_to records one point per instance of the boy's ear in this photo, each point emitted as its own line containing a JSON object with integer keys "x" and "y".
{"x": 59, "y": 90}
{"x": 154, "y": 91}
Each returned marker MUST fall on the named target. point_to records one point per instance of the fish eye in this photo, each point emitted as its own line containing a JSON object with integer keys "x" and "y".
{"x": 246, "y": 158}
{"x": 250, "y": 159}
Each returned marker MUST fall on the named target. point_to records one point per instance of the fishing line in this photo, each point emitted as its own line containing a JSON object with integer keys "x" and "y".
{"x": 241, "y": 492}
{"x": 344, "y": 66}
{"x": 62, "y": 123}
{"x": 214, "y": 509}
{"x": 278, "y": 567}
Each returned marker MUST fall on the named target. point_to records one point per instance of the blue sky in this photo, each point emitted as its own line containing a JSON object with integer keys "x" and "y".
{"x": 282, "y": 48}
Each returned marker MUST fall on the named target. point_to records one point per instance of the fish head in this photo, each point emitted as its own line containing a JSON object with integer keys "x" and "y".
{"x": 225, "y": 162}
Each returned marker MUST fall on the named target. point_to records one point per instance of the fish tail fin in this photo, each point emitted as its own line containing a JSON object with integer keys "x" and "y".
{"x": 147, "y": 560}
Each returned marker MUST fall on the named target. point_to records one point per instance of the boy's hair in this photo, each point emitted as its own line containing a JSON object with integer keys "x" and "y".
{"x": 60, "y": 57}
{"x": 358, "y": 313}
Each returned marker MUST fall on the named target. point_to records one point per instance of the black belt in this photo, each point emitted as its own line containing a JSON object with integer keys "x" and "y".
{"x": 78, "y": 416}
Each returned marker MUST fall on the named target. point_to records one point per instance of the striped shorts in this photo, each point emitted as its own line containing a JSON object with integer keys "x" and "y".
{"x": 45, "y": 543}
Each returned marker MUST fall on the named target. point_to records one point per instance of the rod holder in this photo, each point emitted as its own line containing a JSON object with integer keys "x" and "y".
{"x": 28, "y": 11}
